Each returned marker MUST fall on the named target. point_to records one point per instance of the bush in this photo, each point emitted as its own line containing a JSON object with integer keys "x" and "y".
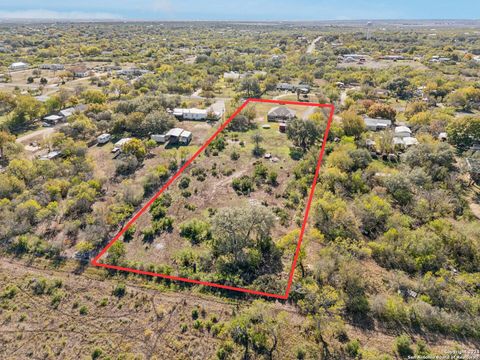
{"x": 402, "y": 344}
{"x": 120, "y": 290}
{"x": 243, "y": 185}
{"x": 157, "y": 211}
{"x": 184, "y": 183}
{"x": 128, "y": 235}
{"x": 83, "y": 310}
{"x": 272, "y": 178}
{"x": 148, "y": 234}
{"x": 196, "y": 231}
{"x": 234, "y": 155}
{"x": 353, "y": 348}
{"x": 164, "y": 224}
{"x": 96, "y": 353}
{"x": 195, "y": 314}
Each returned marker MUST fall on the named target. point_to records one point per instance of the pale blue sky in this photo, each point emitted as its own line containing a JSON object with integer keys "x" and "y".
{"x": 241, "y": 9}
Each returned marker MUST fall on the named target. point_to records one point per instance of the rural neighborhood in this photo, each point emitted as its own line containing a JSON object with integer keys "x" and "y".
{"x": 137, "y": 154}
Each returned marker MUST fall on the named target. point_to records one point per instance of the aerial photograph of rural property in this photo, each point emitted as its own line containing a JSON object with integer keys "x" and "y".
{"x": 240, "y": 180}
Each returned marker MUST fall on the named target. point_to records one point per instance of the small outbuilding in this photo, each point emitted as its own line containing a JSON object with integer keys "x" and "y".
{"x": 185, "y": 137}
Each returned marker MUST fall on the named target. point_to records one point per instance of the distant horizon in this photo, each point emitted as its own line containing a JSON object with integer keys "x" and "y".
{"x": 241, "y": 10}
{"x": 126, "y": 20}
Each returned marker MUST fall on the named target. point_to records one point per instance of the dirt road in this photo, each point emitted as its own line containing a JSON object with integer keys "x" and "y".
{"x": 311, "y": 47}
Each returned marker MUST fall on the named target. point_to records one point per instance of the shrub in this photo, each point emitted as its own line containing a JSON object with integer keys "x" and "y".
{"x": 148, "y": 234}
{"x": 164, "y": 224}
{"x": 120, "y": 290}
{"x": 260, "y": 172}
{"x": 195, "y": 314}
{"x": 243, "y": 185}
{"x": 402, "y": 344}
{"x": 353, "y": 348}
{"x": 184, "y": 183}
{"x": 157, "y": 211}
{"x": 128, "y": 235}
{"x": 96, "y": 353}
{"x": 83, "y": 310}
{"x": 164, "y": 200}
{"x": 234, "y": 155}
{"x": 196, "y": 231}
{"x": 272, "y": 178}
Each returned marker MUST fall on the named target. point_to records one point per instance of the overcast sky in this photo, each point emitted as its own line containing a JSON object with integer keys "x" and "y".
{"x": 241, "y": 9}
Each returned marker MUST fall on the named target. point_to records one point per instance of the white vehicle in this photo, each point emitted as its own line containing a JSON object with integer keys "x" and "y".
{"x": 104, "y": 138}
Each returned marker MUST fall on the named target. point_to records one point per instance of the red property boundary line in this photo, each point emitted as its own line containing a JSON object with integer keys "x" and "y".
{"x": 178, "y": 173}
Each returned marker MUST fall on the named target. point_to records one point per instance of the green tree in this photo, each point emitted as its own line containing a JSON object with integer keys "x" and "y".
{"x": 352, "y": 124}
{"x": 303, "y": 133}
{"x": 136, "y": 148}
{"x": 464, "y": 132}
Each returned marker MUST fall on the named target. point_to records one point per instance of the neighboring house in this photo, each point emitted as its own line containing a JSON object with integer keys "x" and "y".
{"x": 79, "y": 71}
{"x": 285, "y": 87}
{"x": 16, "y": 66}
{"x": 190, "y": 114}
{"x": 52, "y": 119}
{"x": 66, "y": 113}
{"x": 402, "y": 132}
{"x": 404, "y": 142}
{"x": 376, "y": 124}
{"x": 392, "y": 57}
{"x": 281, "y": 113}
{"x": 232, "y": 75}
{"x": 132, "y": 72}
{"x": 51, "y": 155}
{"x": 53, "y": 67}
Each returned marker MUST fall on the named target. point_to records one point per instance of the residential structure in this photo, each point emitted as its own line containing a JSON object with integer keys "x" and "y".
{"x": 376, "y": 124}
{"x": 16, "y": 66}
{"x": 281, "y": 113}
{"x": 190, "y": 114}
{"x": 53, "y": 67}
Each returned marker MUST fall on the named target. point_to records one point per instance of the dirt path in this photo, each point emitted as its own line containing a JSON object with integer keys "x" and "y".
{"x": 311, "y": 47}
{"x": 38, "y": 134}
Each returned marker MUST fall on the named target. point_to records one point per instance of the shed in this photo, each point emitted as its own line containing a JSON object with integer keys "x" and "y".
{"x": 185, "y": 137}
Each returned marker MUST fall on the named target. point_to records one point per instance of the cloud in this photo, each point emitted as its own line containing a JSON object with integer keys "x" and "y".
{"x": 162, "y": 5}
{"x": 57, "y": 15}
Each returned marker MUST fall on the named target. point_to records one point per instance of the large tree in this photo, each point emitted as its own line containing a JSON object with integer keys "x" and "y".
{"x": 303, "y": 133}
